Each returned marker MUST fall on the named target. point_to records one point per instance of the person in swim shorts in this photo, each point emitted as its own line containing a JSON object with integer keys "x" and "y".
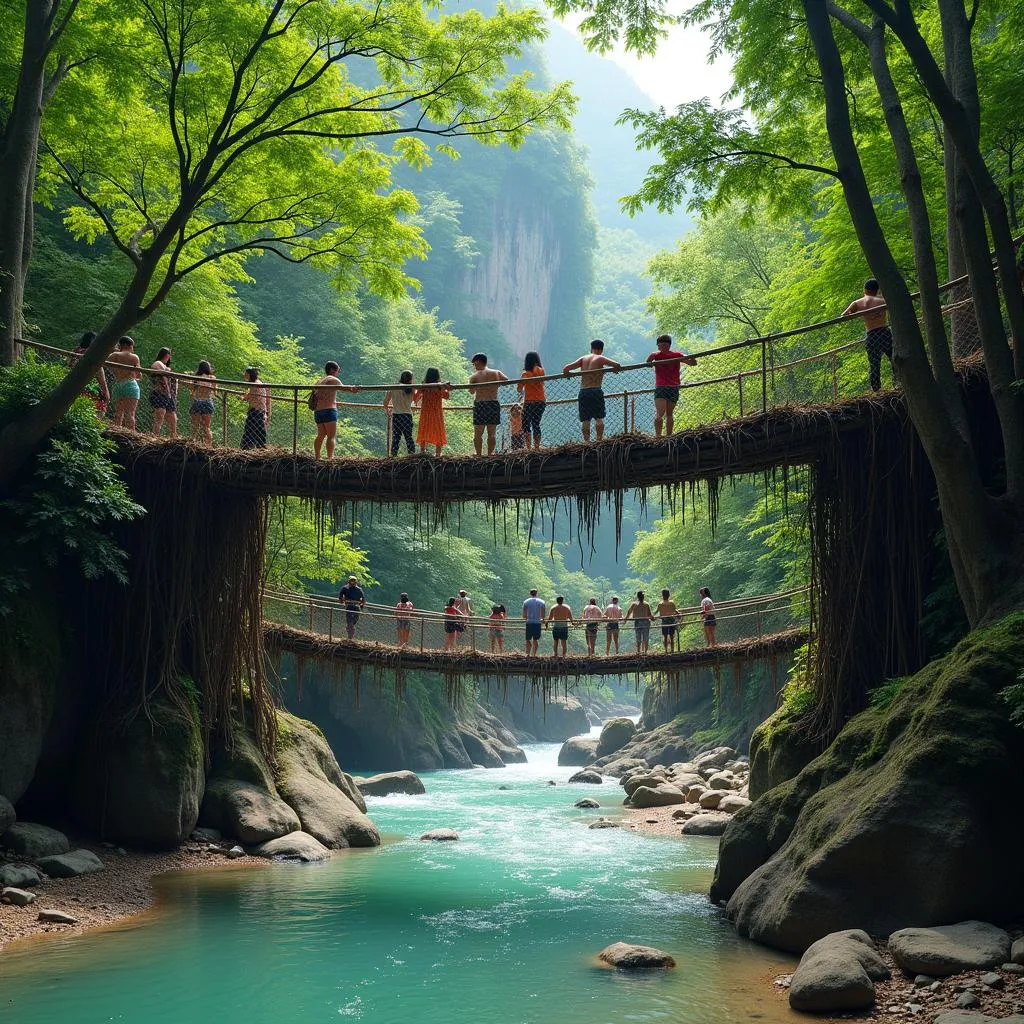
{"x": 612, "y": 615}
{"x": 533, "y": 613}
{"x": 592, "y": 617}
{"x": 163, "y": 394}
{"x": 666, "y": 382}
{"x": 201, "y": 409}
{"x": 403, "y": 624}
{"x": 591, "y": 399}
{"x": 640, "y": 613}
{"x": 453, "y": 625}
{"x": 497, "y": 628}
{"x": 669, "y": 620}
{"x": 707, "y": 612}
{"x": 877, "y": 334}
{"x": 125, "y": 392}
{"x": 323, "y": 400}
{"x": 560, "y": 618}
{"x": 486, "y": 407}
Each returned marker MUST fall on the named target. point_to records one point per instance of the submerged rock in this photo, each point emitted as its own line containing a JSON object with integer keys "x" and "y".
{"x": 624, "y": 956}
{"x": 587, "y": 804}
{"x": 298, "y": 846}
{"x": 838, "y": 972}
{"x": 70, "y": 865}
{"x": 440, "y": 835}
{"x": 590, "y": 777}
{"x": 603, "y": 823}
{"x": 33, "y": 841}
{"x": 949, "y": 949}
{"x": 387, "y": 783}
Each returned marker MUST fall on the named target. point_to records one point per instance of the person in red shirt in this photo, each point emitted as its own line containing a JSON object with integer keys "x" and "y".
{"x": 666, "y": 382}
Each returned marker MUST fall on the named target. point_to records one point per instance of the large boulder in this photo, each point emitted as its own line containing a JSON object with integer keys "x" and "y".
{"x": 625, "y": 956}
{"x": 141, "y": 783}
{"x": 31, "y": 841}
{"x": 710, "y": 824}
{"x": 837, "y": 973}
{"x": 328, "y": 804}
{"x": 481, "y": 751}
{"x": 662, "y": 795}
{"x": 779, "y": 750}
{"x": 615, "y": 734}
{"x": 387, "y": 783}
{"x": 942, "y": 951}
{"x": 577, "y": 752}
{"x": 71, "y": 864}
{"x": 590, "y": 777}
{"x": 20, "y": 876}
{"x": 632, "y": 782}
{"x": 888, "y": 825}
{"x": 294, "y": 846}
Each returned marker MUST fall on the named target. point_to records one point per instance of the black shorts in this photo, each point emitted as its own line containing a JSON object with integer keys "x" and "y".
{"x": 591, "y": 629}
{"x": 611, "y": 627}
{"x": 486, "y": 413}
{"x": 667, "y": 392}
{"x": 710, "y": 620}
{"x": 643, "y": 628}
{"x": 451, "y": 627}
{"x": 591, "y": 403}
{"x": 560, "y": 632}
{"x": 161, "y": 400}
{"x": 668, "y": 626}
{"x": 533, "y": 631}
{"x": 532, "y": 413}
{"x": 351, "y": 616}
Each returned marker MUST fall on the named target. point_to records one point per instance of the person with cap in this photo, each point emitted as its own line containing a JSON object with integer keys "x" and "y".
{"x": 533, "y": 613}
{"x": 353, "y": 598}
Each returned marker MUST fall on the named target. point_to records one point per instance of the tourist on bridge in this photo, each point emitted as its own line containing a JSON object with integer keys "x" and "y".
{"x": 431, "y": 401}
{"x": 323, "y": 400}
{"x": 465, "y": 606}
{"x": 534, "y": 397}
{"x": 202, "y": 387}
{"x": 592, "y": 616}
{"x": 100, "y": 394}
{"x": 613, "y": 615}
{"x": 591, "y": 398}
{"x": 257, "y": 419}
{"x": 163, "y": 394}
{"x": 398, "y": 404}
{"x": 454, "y": 624}
{"x": 126, "y": 391}
{"x": 403, "y": 624}
{"x": 496, "y": 630}
{"x": 353, "y": 599}
{"x": 533, "y": 613}
{"x": 559, "y": 618}
{"x": 486, "y": 406}
{"x": 877, "y": 335}
{"x": 707, "y": 613}
{"x": 641, "y": 614}
{"x": 517, "y": 439}
{"x": 666, "y": 382}
{"x": 669, "y": 619}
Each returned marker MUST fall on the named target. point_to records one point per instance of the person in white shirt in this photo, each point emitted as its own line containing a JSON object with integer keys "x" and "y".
{"x": 612, "y": 614}
{"x": 398, "y": 405}
{"x": 707, "y": 612}
{"x": 591, "y": 616}
{"x": 533, "y": 614}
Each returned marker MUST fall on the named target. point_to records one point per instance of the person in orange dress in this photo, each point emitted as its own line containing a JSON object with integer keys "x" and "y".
{"x": 431, "y": 426}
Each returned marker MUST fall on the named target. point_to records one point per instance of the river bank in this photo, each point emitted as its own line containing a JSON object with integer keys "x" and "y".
{"x": 123, "y": 890}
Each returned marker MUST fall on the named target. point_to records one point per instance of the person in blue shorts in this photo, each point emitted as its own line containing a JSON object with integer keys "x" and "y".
{"x": 533, "y": 613}
{"x": 323, "y": 400}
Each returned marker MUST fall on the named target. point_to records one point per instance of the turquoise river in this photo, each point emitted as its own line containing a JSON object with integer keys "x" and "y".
{"x": 500, "y": 927}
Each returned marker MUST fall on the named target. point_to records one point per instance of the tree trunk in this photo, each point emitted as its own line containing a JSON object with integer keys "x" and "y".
{"x": 984, "y": 534}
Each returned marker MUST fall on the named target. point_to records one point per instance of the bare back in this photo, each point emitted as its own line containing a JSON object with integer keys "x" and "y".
{"x": 202, "y": 387}
{"x": 127, "y": 367}
{"x": 326, "y": 391}
{"x": 865, "y": 307}
{"x": 593, "y": 367}
{"x": 486, "y": 384}
{"x": 560, "y": 613}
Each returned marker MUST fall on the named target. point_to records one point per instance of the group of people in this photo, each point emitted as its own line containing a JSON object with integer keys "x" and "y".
{"x": 126, "y": 393}
{"x": 458, "y": 614}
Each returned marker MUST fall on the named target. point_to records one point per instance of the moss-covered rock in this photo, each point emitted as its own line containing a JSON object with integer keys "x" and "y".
{"x": 890, "y": 826}
{"x": 779, "y": 749}
{"x": 141, "y": 783}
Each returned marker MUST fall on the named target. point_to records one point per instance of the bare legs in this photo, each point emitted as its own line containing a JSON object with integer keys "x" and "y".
{"x": 478, "y": 438}
{"x": 124, "y": 412}
{"x": 325, "y": 432}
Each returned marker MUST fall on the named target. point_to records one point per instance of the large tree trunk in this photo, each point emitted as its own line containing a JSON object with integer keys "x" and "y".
{"x": 985, "y": 535}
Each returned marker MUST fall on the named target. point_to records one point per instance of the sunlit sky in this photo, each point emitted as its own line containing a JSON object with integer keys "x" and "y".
{"x": 678, "y": 72}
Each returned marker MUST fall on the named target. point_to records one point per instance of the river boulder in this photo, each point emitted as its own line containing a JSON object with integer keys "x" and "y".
{"x": 615, "y": 734}
{"x": 711, "y": 823}
{"x": 387, "y": 783}
{"x": 888, "y": 826}
{"x": 625, "y": 956}
{"x": 295, "y": 846}
{"x": 71, "y": 864}
{"x": 587, "y": 804}
{"x": 590, "y": 777}
{"x": 950, "y": 949}
{"x": 837, "y": 973}
{"x": 577, "y": 752}
{"x": 31, "y": 841}
{"x": 661, "y": 795}
{"x": 440, "y": 835}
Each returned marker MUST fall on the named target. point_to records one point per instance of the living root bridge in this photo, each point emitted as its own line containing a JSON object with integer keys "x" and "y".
{"x": 782, "y": 437}
{"x": 454, "y": 666}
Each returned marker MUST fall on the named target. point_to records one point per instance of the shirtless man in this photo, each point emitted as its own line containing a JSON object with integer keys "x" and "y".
{"x": 591, "y": 400}
{"x": 613, "y": 616}
{"x": 669, "y": 620}
{"x": 877, "y": 336}
{"x": 125, "y": 391}
{"x": 324, "y": 403}
{"x": 560, "y": 616}
{"x": 163, "y": 394}
{"x": 486, "y": 407}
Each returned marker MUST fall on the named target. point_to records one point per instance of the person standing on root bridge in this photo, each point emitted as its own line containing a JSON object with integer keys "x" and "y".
{"x": 496, "y": 630}
{"x": 534, "y": 398}
{"x": 486, "y": 407}
{"x": 98, "y": 394}
{"x": 669, "y": 619}
{"x": 431, "y": 429}
{"x": 353, "y": 599}
{"x": 640, "y": 613}
{"x": 877, "y": 335}
{"x": 707, "y": 613}
{"x": 398, "y": 405}
{"x": 517, "y": 439}
{"x": 403, "y": 624}
{"x": 453, "y": 625}
{"x": 202, "y": 388}
{"x": 613, "y": 615}
{"x": 323, "y": 400}
{"x": 592, "y": 617}
{"x": 591, "y": 399}
{"x": 533, "y": 613}
{"x": 163, "y": 394}
{"x": 257, "y": 419}
{"x": 465, "y": 606}
{"x": 560, "y": 618}
{"x": 666, "y": 382}
{"x": 126, "y": 391}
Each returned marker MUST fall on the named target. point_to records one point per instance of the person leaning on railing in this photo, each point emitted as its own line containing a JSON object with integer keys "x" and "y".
{"x": 257, "y": 419}
{"x": 398, "y": 403}
{"x": 126, "y": 391}
{"x": 202, "y": 388}
{"x": 591, "y": 397}
{"x": 666, "y": 382}
{"x": 534, "y": 398}
{"x": 323, "y": 401}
